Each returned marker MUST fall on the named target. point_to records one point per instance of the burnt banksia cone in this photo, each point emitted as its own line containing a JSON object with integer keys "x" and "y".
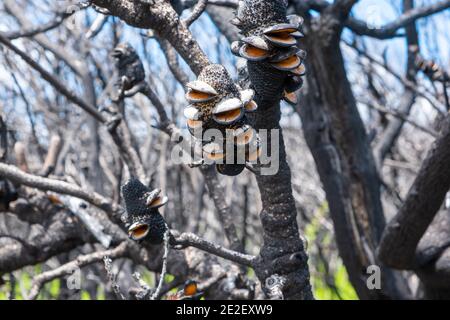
{"x": 142, "y": 218}
{"x": 270, "y": 40}
{"x": 130, "y": 68}
{"x": 217, "y": 103}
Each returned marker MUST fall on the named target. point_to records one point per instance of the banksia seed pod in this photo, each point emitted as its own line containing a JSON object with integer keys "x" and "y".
{"x": 189, "y": 292}
{"x": 218, "y": 103}
{"x": 270, "y": 38}
{"x": 142, "y": 218}
{"x": 129, "y": 65}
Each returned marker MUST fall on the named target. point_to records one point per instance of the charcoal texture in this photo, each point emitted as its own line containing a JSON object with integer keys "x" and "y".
{"x": 270, "y": 77}
{"x": 157, "y": 228}
{"x": 230, "y": 169}
{"x": 135, "y": 195}
{"x": 218, "y": 77}
{"x": 256, "y": 15}
{"x": 129, "y": 66}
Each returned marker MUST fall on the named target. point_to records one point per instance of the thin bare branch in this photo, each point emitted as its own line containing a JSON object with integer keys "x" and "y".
{"x": 15, "y": 174}
{"x": 389, "y": 30}
{"x": 68, "y": 268}
{"x": 192, "y": 240}
{"x": 197, "y": 11}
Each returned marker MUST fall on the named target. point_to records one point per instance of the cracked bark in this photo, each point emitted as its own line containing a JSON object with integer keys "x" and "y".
{"x": 283, "y": 251}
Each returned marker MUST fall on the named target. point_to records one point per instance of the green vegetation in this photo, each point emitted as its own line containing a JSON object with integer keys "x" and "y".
{"x": 328, "y": 274}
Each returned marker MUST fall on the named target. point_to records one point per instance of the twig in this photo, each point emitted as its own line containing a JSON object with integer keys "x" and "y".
{"x": 155, "y": 295}
{"x": 216, "y": 192}
{"x": 67, "y": 269}
{"x": 158, "y": 17}
{"x": 197, "y": 11}
{"x": 30, "y": 32}
{"x": 3, "y": 139}
{"x": 56, "y": 83}
{"x": 170, "y": 286}
{"x": 192, "y": 240}
{"x": 403, "y": 117}
{"x": 14, "y": 174}
{"x": 389, "y": 30}
{"x": 205, "y": 285}
{"x": 447, "y": 101}
{"x": 96, "y": 26}
{"x": 145, "y": 288}
{"x": 112, "y": 277}
{"x": 407, "y": 83}
{"x": 172, "y": 61}
{"x": 164, "y": 121}
{"x": 27, "y": 105}
{"x": 12, "y": 286}
{"x": 121, "y": 136}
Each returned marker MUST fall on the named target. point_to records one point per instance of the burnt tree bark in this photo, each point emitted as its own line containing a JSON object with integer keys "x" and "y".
{"x": 338, "y": 141}
{"x": 336, "y": 136}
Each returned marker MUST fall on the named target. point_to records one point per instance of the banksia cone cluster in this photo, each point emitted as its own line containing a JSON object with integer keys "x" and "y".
{"x": 142, "y": 218}
{"x": 270, "y": 38}
{"x": 217, "y": 103}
